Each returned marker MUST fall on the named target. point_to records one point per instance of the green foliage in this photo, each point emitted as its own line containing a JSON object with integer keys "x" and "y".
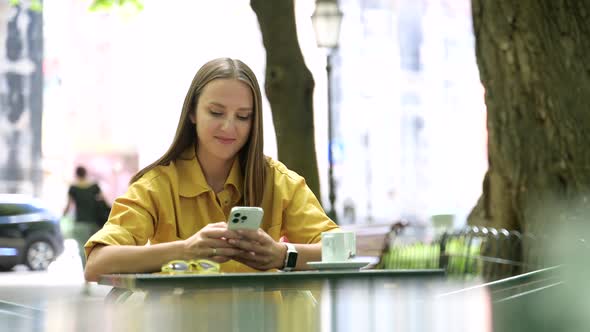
{"x": 106, "y": 5}
{"x": 35, "y": 5}
{"x": 461, "y": 258}
{"x": 97, "y": 5}
{"x": 414, "y": 256}
{"x": 464, "y": 259}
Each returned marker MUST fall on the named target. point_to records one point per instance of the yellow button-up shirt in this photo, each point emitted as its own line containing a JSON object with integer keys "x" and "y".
{"x": 173, "y": 202}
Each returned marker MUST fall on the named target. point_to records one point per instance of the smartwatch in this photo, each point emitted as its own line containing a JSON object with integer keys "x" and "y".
{"x": 290, "y": 257}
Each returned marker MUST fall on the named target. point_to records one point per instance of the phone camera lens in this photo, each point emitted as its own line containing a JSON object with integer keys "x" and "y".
{"x": 235, "y": 220}
{"x": 237, "y": 215}
{"x": 244, "y": 218}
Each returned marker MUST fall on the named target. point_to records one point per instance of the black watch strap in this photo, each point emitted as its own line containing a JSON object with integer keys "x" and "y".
{"x": 290, "y": 257}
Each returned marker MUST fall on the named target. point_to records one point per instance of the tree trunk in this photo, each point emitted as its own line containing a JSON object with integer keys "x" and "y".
{"x": 534, "y": 62}
{"x": 289, "y": 87}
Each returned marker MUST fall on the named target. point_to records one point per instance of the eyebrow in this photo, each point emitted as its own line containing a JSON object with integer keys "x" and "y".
{"x": 223, "y": 106}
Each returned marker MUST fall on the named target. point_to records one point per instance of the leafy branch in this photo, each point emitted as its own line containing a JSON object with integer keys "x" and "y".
{"x": 35, "y": 5}
{"x": 106, "y": 5}
{"x": 97, "y": 5}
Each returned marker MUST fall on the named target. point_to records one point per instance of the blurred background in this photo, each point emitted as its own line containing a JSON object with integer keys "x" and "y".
{"x": 405, "y": 127}
{"x": 408, "y": 108}
{"x": 104, "y": 90}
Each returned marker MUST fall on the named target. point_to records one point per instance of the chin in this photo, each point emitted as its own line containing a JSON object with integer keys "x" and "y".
{"x": 226, "y": 156}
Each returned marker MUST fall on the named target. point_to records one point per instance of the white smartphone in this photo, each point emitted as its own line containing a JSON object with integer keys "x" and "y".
{"x": 245, "y": 217}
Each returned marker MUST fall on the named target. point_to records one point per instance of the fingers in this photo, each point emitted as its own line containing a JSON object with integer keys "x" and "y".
{"x": 258, "y": 235}
{"x": 251, "y": 247}
{"x": 225, "y": 252}
{"x": 247, "y": 245}
{"x": 254, "y": 254}
{"x": 216, "y": 232}
{"x": 218, "y": 248}
{"x": 248, "y": 234}
{"x": 213, "y": 237}
{"x": 216, "y": 243}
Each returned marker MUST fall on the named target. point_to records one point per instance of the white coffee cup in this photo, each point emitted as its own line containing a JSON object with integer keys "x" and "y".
{"x": 338, "y": 246}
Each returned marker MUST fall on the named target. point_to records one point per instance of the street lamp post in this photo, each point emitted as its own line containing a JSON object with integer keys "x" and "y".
{"x": 326, "y": 20}
{"x": 332, "y": 191}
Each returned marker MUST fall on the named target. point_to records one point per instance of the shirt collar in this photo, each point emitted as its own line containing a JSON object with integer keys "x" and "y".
{"x": 235, "y": 180}
{"x": 192, "y": 180}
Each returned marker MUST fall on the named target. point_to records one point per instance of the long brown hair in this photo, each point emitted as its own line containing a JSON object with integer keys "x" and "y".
{"x": 252, "y": 159}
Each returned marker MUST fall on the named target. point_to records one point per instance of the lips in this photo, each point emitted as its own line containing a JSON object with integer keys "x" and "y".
{"x": 224, "y": 140}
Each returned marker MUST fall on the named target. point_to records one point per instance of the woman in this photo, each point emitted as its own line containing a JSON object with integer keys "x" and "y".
{"x": 179, "y": 204}
{"x": 84, "y": 196}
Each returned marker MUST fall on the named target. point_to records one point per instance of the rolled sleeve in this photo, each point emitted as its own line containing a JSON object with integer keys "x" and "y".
{"x": 305, "y": 220}
{"x": 131, "y": 221}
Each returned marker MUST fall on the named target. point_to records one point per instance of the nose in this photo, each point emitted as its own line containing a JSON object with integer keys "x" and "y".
{"x": 227, "y": 124}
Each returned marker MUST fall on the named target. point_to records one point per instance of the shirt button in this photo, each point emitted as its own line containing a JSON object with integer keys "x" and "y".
{"x": 225, "y": 202}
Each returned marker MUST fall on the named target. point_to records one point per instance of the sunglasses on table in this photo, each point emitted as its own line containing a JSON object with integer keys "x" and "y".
{"x": 196, "y": 266}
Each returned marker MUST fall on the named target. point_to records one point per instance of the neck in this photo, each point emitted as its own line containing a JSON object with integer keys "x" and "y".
{"x": 215, "y": 171}
{"x": 82, "y": 183}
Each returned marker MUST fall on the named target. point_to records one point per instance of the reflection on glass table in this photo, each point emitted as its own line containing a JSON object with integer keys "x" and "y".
{"x": 367, "y": 300}
{"x": 374, "y": 300}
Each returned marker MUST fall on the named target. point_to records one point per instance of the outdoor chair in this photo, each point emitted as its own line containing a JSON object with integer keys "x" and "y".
{"x": 470, "y": 252}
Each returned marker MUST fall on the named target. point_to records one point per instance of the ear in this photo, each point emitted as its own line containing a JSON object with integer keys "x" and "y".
{"x": 191, "y": 116}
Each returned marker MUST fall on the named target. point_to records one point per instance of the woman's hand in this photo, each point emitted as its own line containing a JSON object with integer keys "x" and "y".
{"x": 212, "y": 242}
{"x": 258, "y": 250}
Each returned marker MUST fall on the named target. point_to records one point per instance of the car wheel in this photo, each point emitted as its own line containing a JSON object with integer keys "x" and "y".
{"x": 39, "y": 254}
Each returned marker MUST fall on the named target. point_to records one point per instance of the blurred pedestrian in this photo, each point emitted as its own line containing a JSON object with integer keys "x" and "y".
{"x": 86, "y": 198}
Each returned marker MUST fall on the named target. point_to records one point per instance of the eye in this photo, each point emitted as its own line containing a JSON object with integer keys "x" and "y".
{"x": 244, "y": 117}
{"x": 215, "y": 113}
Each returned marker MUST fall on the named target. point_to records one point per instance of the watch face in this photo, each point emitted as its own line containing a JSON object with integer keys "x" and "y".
{"x": 291, "y": 259}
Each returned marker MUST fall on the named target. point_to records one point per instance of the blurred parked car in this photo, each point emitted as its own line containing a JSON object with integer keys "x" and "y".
{"x": 29, "y": 233}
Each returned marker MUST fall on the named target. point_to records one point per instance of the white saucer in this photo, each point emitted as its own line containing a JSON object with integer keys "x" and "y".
{"x": 348, "y": 265}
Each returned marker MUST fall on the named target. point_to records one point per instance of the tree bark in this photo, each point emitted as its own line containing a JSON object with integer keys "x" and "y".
{"x": 534, "y": 62}
{"x": 289, "y": 87}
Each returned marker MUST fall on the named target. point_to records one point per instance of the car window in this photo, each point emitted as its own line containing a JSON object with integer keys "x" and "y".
{"x": 9, "y": 209}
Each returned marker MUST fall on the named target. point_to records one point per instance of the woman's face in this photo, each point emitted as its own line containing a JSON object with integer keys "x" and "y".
{"x": 223, "y": 119}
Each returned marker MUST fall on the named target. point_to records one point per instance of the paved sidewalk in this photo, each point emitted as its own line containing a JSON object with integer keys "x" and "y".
{"x": 64, "y": 279}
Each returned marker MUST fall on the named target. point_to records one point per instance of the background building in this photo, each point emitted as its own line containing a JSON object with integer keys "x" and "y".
{"x": 21, "y": 88}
